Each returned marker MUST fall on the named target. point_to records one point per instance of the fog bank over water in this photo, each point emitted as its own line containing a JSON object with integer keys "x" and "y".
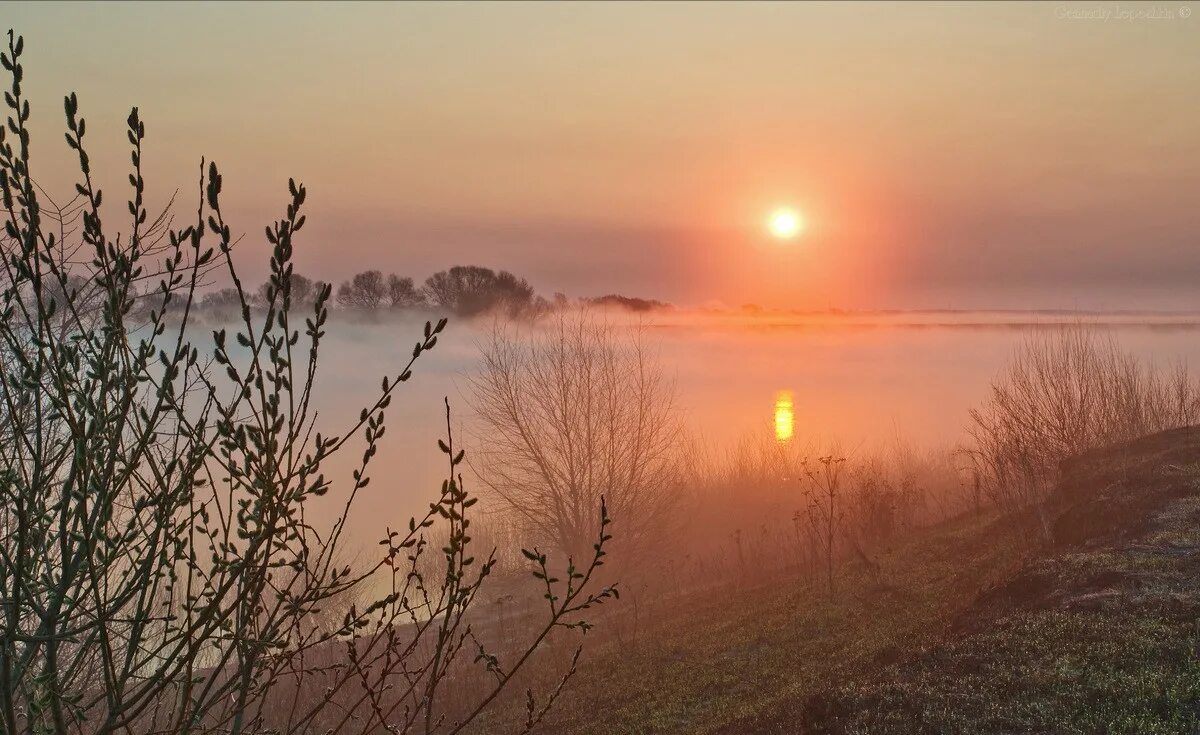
{"x": 862, "y": 379}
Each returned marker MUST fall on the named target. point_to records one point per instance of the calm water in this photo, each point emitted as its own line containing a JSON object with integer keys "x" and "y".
{"x": 857, "y": 379}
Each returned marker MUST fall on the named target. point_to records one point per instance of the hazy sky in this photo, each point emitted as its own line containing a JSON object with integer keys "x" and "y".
{"x": 945, "y": 155}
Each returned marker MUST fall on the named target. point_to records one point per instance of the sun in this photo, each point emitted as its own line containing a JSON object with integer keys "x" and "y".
{"x": 785, "y": 223}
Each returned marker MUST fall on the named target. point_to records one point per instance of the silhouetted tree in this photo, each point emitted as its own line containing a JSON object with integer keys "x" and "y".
{"x": 470, "y": 289}
{"x": 304, "y": 291}
{"x": 632, "y": 303}
{"x": 403, "y": 293}
{"x": 365, "y": 291}
{"x": 225, "y": 302}
{"x": 163, "y": 565}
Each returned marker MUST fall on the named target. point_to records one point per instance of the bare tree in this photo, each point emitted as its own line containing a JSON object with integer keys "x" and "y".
{"x": 366, "y": 291}
{"x": 571, "y": 411}
{"x": 224, "y": 303}
{"x": 468, "y": 290}
{"x": 403, "y": 293}
{"x": 304, "y": 291}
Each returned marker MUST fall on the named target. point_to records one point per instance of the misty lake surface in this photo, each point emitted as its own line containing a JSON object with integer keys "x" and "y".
{"x": 862, "y": 380}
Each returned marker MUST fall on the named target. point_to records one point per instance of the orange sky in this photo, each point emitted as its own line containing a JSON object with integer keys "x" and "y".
{"x": 945, "y": 155}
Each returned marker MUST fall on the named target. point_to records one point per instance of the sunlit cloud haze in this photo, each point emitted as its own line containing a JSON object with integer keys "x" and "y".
{"x": 960, "y": 156}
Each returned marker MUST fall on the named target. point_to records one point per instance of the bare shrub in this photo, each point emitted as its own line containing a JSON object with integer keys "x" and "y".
{"x": 1063, "y": 393}
{"x": 824, "y": 511}
{"x": 163, "y": 566}
{"x": 570, "y": 411}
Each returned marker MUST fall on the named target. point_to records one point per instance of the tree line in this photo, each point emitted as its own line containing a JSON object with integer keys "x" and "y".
{"x": 463, "y": 290}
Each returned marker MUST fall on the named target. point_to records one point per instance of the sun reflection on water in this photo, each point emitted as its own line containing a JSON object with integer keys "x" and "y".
{"x": 785, "y": 416}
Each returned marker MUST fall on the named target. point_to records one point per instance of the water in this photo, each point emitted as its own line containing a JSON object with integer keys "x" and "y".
{"x": 859, "y": 379}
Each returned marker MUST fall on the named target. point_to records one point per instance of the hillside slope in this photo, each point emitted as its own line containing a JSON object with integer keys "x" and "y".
{"x": 975, "y": 626}
{"x": 707, "y": 663}
{"x": 1100, "y": 634}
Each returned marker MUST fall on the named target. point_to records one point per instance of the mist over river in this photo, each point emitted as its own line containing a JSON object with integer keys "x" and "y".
{"x": 860, "y": 379}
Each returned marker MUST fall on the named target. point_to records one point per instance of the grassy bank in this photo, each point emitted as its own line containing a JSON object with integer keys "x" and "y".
{"x": 978, "y": 625}
{"x": 715, "y": 659}
{"x": 1102, "y": 634}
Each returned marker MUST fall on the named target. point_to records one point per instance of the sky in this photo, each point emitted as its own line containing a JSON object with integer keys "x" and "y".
{"x": 943, "y": 155}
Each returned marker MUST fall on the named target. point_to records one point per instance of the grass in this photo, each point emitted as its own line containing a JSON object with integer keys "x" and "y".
{"x": 1107, "y": 640}
{"x": 721, "y": 658}
{"x": 1116, "y": 660}
{"x": 975, "y": 629}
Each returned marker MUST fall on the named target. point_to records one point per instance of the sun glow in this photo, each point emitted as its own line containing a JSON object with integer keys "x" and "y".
{"x": 785, "y": 223}
{"x": 785, "y": 416}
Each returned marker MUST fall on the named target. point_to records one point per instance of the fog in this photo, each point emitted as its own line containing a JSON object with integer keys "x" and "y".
{"x": 862, "y": 380}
